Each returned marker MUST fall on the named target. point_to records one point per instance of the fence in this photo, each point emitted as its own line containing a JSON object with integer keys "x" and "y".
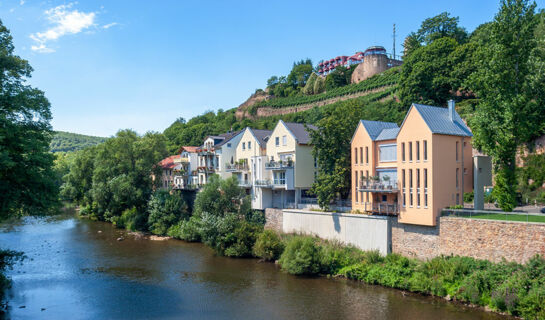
{"x": 518, "y": 216}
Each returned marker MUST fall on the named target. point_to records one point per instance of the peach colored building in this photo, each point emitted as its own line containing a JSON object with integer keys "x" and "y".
{"x": 415, "y": 170}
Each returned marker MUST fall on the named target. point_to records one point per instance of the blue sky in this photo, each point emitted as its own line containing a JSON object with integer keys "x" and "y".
{"x": 110, "y": 65}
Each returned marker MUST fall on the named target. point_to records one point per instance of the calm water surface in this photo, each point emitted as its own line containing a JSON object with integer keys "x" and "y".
{"x": 77, "y": 270}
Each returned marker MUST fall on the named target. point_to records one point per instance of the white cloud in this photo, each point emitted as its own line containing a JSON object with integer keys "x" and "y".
{"x": 22, "y": 2}
{"x": 65, "y": 21}
{"x": 109, "y": 25}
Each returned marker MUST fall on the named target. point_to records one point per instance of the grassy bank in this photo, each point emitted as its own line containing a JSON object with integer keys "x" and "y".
{"x": 508, "y": 217}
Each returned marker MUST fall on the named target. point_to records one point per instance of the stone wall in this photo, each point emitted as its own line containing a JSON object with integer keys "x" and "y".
{"x": 491, "y": 240}
{"x": 478, "y": 238}
{"x": 273, "y": 219}
{"x": 415, "y": 241}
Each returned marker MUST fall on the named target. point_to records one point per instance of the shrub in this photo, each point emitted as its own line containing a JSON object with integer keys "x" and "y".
{"x": 190, "y": 230}
{"x": 268, "y": 246}
{"x": 165, "y": 210}
{"x": 301, "y": 256}
{"x": 244, "y": 239}
{"x": 130, "y": 219}
{"x": 468, "y": 196}
{"x": 335, "y": 256}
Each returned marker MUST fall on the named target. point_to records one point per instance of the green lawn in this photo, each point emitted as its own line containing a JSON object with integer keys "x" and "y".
{"x": 508, "y": 217}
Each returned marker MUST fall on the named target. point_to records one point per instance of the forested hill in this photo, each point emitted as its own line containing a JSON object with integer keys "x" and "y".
{"x": 66, "y": 141}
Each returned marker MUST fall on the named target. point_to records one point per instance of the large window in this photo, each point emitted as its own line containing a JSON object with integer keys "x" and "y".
{"x": 404, "y": 190}
{"x": 410, "y": 151}
{"x": 366, "y": 155}
{"x": 457, "y": 158}
{"x": 418, "y": 188}
{"x": 357, "y": 187}
{"x": 403, "y": 151}
{"x": 425, "y": 188}
{"x": 457, "y": 179}
{"x": 388, "y": 152}
{"x": 356, "y": 155}
{"x": 417, "y": 150}
{"x": 361, "y": 155}
{"x": 279, "y": 177}
{"x": 425, "y": 150}
{"x": 411, "y": 187}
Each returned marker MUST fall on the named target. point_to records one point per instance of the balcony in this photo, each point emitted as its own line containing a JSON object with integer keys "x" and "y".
{"x": 245, "y": 183}
{"x": 206, "y": 169}
{"x": 237, "y": 167}
{"x": 379, "y": 186}
{"x": 279, "y": 165}
{"x": 279, "y": 183}
{"x": 381, "y": 208}
{"x": 263, "y": 183}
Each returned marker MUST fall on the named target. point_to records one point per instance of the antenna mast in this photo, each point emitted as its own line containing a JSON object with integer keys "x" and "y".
{"x": 394, "y": 41}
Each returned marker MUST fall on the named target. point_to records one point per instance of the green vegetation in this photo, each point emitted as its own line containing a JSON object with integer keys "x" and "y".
{"x": 268, "y": 246}
{"x": 532, "y": 178}
{"x": 66, "y": 141}
{"x": 28, "y": 183}
{"x": 508, "y": 217}
{"x": 387, "y": 78}
{"x": 506, "y": 287}
{"x": 294, "y": 83}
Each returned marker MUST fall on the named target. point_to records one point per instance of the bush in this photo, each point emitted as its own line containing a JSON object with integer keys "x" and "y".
{"x": 187, "y": 230}
{"x": 245, "y": 236}
{"x": 301, "y": 256}
{"x": 165, "y": 210}
{"x": 468, "y": 196}
{"x": 268, "y": 246}
{"x": 335, "y": 256}
{"x": 130, "y": 219}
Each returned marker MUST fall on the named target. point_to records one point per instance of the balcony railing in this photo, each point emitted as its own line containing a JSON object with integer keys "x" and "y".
{"x": 245, "y": 183}
{"x": 379, "y": 186}
{"x": 237, "y": 167}
{"x": 275, "y": 165}
{"x": 381, "y": 208}
{"x": 263, "y": 183}
{"x": 279, "y": 182}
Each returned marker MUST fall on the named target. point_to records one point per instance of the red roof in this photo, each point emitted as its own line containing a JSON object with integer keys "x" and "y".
{"x": 168, "y": 163}
{"x": 190, "y": 149}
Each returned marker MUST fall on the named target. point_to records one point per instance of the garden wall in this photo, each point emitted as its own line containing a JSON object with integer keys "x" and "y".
{"x": 273, "y": 219}
{"x": 362, "y": 231}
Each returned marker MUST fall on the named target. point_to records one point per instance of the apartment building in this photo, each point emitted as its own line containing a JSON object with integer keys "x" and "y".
{"x": 213, "y": 153}
{"x": 289, "y": 170}
{"x": 415, "y": 170}
{"x": 187, "y": 177}
{"x": 170, "y": 168}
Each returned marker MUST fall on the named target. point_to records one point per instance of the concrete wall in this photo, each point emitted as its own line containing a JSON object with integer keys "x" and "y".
{"x": 362, "y": 231}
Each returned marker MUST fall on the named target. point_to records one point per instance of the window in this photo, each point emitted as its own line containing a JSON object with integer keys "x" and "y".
{"x": 361, "y": 155}
{"x": 249, "y": 145}
{"x": 244, "y": 146}
{"x": 356, "y": 189}
{"x": 417, "y": 150}
{"x": 410, "y": 151}
{"x": 425, "y": 150}
{"x": 411, "y": 187}
{"x": 356, "y": 155}
{"x": 457, "y": 180}
{"x": 384, "y": 198}
{"x": 277, "y": 141}
{"x": 279, "y": 178}
{"x": 457, "y": 198}
{"x": 457, "y": 143}
{"x": 284, "y": 140}
{"x": 229, "y": 145}
{"x": 387, "y": 152}
{"x": 425, "y": 188}
{"x": 418, "y": 188}
{"x": 367, "y": 155}
{"x": 403, "y": 151}
{"x": 403, "y": 185}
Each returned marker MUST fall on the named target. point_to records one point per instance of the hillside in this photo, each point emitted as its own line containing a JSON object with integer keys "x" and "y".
{"x": 67, "y": 142}
{"x": 379, "y": 87}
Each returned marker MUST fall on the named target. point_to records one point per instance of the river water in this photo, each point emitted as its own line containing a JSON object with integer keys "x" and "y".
{"x": 76, "y": 269}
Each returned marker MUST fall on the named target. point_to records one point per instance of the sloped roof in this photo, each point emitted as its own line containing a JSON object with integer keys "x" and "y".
{"x": 300, "y": 131}
{"x": 438, "y": 120}
{"x": 189, "y": 149}
{"x": 227, "y": 137}
{"x": 261, "y": 135}
{"x": 168, "y": 163}
{"x": 374, "y": 128}
{"x": 388, "y": 134}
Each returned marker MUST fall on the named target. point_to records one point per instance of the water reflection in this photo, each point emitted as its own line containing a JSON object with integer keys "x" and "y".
{"x": 78, "y": 270}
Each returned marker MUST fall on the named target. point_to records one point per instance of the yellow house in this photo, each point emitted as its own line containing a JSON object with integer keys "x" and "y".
{"x": 290, "y": 168}
{"x": 417, "y": 169}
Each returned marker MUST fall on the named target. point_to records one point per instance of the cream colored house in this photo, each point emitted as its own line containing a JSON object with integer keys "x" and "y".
{"x": 289, "y": 169}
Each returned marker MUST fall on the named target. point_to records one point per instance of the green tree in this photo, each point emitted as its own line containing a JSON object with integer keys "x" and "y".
{"x": 165, "y": 210}
{"x": 337, "y": 78}
{"x": 510, "y": 85}
{"x": 440, "y": 26}
{"x": 26, "y": 168}
{"x": 299, "y": 74}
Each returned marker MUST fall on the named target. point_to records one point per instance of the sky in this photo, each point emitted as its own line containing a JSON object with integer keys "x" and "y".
{"x": 111, "y": 65}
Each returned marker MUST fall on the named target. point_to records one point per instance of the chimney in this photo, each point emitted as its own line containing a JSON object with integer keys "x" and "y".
{"x": 451, "y": 110}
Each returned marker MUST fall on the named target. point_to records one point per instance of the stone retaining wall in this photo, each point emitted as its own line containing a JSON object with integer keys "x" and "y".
{"x": 478, "y": 238}
{"x": 273, "y": 219}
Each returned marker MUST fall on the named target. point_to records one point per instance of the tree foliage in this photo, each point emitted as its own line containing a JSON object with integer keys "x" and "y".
{"x": 67, "y": 141}
{"x": 510, "y": 85}
{"x": 28, "y": 182}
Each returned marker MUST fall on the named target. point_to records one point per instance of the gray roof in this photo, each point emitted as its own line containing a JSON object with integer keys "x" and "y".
{"x": 388, "y": 134}
{"x": 300, "y": 132}
{"x": 375, "y": 128}
{"x": 261, "y": 135}
{"x": 437, "y": 119}
{"x": 227, "y": 137}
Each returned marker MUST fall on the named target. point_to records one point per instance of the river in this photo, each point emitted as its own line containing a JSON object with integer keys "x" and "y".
{"x": 76, "y": 269}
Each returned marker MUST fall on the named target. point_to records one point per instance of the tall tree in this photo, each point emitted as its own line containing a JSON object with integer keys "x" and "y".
{"x": 440, "y": 26}
{"x": 509, "y": 85}
{"x": 27, "y": 178}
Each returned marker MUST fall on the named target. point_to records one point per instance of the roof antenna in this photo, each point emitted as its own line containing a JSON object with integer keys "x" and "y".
{"x": 394, "y": 41}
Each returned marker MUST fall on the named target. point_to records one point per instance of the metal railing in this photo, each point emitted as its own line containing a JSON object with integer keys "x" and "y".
{"x": 494, "y": 214}
{"x": 245, "y": 183}
{"x": 263, "y": 183}
{"x": 278, "y": 164}
{"x": 381, "y": 208}
{"x": 237, "y": 167}
{"x": 381, "y": 186}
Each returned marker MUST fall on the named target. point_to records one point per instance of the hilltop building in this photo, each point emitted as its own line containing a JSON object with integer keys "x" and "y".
{"x": 372, "y": 61}
{"x": 415, "y": 170}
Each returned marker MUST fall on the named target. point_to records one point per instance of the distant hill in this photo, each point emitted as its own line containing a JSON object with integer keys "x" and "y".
{"x": 67, "y": 142}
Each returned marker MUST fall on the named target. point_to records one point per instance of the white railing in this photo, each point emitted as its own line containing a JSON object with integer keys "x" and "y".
{"x": 381, "y": 208}
{"x": 279, "y": 165}
{"x": 384, "y": 186}
{"x": 237, "y": 167}
{"x": 263, "y": 183}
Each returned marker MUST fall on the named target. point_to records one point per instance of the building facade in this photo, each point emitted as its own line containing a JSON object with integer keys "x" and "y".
{"x": 415, "y": 170}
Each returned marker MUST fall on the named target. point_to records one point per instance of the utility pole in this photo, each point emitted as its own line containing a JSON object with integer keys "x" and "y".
{"x": 394, "y": 41}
